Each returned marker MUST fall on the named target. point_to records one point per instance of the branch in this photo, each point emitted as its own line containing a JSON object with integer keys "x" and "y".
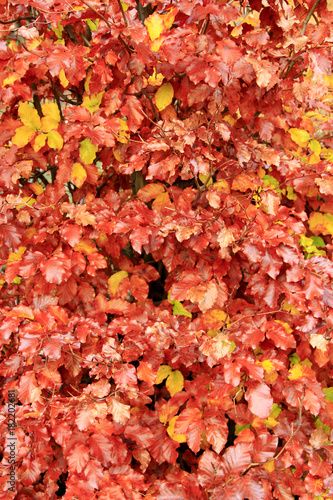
{"x": 12, "y": 21}
{"x": 151, "y": 104}
{"x": 308, "y": 17}
{"x": 122, "y": 13}
{"x": 97, "y": 13}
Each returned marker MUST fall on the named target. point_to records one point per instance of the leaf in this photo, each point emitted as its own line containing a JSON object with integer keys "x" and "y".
{"x": 179, "y": 438}
{"x": 259, "y": 399}
{"x": 114, "y": 281}
{"x": 23, "y": 136}
{"x": 62, "y": 77}
{"x": 164, "y": 96}
{"x": 40, "y": 142}
{"x": 29, "y": 116}
{"x": 88, "y": 151}
{"x": 329, "y": 394}
{"x": 150, "y": 192}
{"x": 79, "y": 175}
{"x": 51, "y": 110}
{"x": 55, "y": 140}
{"x": 93, "y": 102}
{"x": 163, "y": 372}
{"x": 321, "y": 223}
{"x": 300, "y": 137}
{"x": 179, "y": 309}
{"x": 175, "y": 382}
{"x": 86, "y": 246}
{"x": 154, "y": 24}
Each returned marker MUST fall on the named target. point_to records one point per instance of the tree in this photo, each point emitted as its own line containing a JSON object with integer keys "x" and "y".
{"x": 166, "y": 249}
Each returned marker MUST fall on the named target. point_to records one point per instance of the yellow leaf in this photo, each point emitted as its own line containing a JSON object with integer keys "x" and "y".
{"x": 285, "y": 325}
{"x": 175, "y": 382}
{"x": 156, "y": 79}
{"x": 48, "y": 124}
{"x": 315, "y": 147}
{"x": 204, "y": 179}
{"x": 79, "y": 175}
{"x": 298, "y": 371}
{"x": 269, "y": 465}
{"x": 169, "y": 18}
{"x": 155, "y": 45}
{"x": 63, "y": 80}
{"x": 154, "y": 25}
{"x": 164, "y": 96}
{"x": 291, "y": 309}
{"x": 55, "y": 140}
{"x": 267, "y": 365}
{"x": 13, "y": 257}
{"x": 321, "y": 223}
{"x": 313, "y": 159}
{"x": 51, "y": 110}
{"x": 36, "y": 188}
{"x": 86, "y": 246}
{"x": 40, "y": 142}
{"x": 180, "y": 438}
{"x": 330, "y": 5}
{"x": 11, "y": 79}
{"x": 163, "y": 372}
{"x": 29, "y": 116}
{"x": 215, "y": 318}
{"x": 23, "y": 136}
{"x": 92, "y": 103}
{"x": 114, "y": 281}
{"x": 123, "y": 134}
{"x": 300, "y": 137}
{"x": 88, "y": 151}
{"x": 125, "y": 6}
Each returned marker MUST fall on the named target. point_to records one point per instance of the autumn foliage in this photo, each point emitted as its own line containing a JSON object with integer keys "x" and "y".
{"x": 166, "y": 222}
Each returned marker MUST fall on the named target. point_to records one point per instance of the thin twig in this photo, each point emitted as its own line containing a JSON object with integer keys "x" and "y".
{"x": 97, "y": 13}
{"x": 12, "y": 21}
{"x": 122, "y": 13}
{"x": 308, "y": 17}
{"x": 151, "y": 104}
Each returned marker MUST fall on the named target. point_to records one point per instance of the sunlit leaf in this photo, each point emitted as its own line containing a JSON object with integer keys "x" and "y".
{"x": 55, "y": 140}
{"x": 23, "y": 136}
{"x": 300, "y": 137}
{"x": 29, "y": 116}
{"x": 88, "y": 151}
{"x": 79, "y": 175}
{"x": 164, "y": 96}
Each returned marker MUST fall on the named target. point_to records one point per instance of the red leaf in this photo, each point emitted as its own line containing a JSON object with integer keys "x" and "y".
{"x": 259, "y": 399}
{"x": 229, "y": 51}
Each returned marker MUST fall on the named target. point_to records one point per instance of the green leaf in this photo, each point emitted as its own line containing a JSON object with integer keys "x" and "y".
{"x": 294, "y": 359}
{"x": 329, "y": 393}
{"x": 269, "y": 180}
{"x": 240, "y": 428}
{"x": 93, "y": 102}
{"x": 179, "y": 309}
{"x": 92, "y": 25}
{"x": 88, "y": 151}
